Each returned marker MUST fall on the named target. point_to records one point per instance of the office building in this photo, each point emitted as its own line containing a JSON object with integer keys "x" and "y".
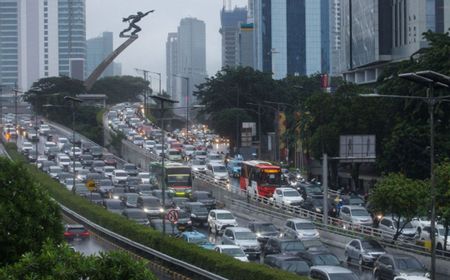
{"x": 376, "y": 33}
{"x": 97, "y": 50}
{"x": 171, "y": 63}
{"x": 186, "y": 60}
{"x": 231, "y": 21}
{"x": 291, "y": 37}
{"x": 246, "y": 55}
{"x": 335, "y": 38}
{"x": 72, "y": 38}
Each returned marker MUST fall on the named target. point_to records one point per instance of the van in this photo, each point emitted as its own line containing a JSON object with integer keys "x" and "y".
{"x": 63, "y": 160}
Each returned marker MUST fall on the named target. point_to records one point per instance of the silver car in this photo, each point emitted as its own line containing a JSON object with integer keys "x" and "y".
{"x": 244, "y": 238}
{"x": 388, "y": 228}
{"x": 365, "y": 251}
{"x": 355, "y": 215}
{"x": 300, "y": 228}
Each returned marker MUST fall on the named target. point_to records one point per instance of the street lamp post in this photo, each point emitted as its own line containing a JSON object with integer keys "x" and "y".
{"x": 431, "y": 80}
{"x": 259, "y": 127}
{"x": 73, "y": 101}
{"x": 163, "y": 100}
{"x": 187, "y": 101}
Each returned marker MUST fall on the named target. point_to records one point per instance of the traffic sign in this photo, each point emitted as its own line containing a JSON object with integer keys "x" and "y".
{"x": 90, "y": 184}
{"x": 172, "y": 216}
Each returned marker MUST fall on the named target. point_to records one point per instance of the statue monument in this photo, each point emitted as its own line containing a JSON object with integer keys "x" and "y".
{"x": 134, "y": 19}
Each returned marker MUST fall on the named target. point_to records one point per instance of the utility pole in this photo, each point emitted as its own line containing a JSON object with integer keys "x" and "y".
{"x": 145, "y": 73}
{"x": 73, "y": 101}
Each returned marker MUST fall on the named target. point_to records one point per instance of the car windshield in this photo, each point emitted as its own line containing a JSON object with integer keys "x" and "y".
{"x": 203, "y": 195}
{"x": 214, "y": 157}
{"x": 200, "y": 153}
{"x": 304, "y": 226}
{"x": 291, "y": 193}
{"x": 174, "y": 153}
{"x": 408, "y": 263}
{"x": 312, "y": 243}
{"x": 151, "y": 202}
{"x": 356, "y": 201}
{"x": 234, "y": 252}
{"x": 407, "y": 226}
{"x": 292, "y": 246}
{"x": 371, "y": 244}
{"x": 269, "y": 178}
{"x": 313, "y": 189}
{"x": 114, "y": 204}
{"x": 198, "y": 240}
{"x": 198, "y": 162}
{"x": 131, "y": 198}
{"x": 76, "y": 229}
{"x": 235, "y": 163}
{"x": 325, "y": 259}
{"x": 225, "y": 216}
{"x": 359, "y": 212}
{"x": 295, "y": 266}
{"x": 245, "y": 235}
{"x": 137, "y": 215}
{"x": 343, "y": 276}
{"x": 442, "y": 232}
{"x": 219, "y": 168}
{"x": 121, "y": 174}
{"x": 265, "y": 228}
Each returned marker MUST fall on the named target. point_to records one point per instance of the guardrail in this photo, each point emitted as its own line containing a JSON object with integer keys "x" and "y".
{"x": 334, "y": 225}
{"x": 193, "y": 271}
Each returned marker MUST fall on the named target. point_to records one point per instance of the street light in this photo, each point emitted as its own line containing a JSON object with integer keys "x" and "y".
{"x": 431, "y": 80}
{"x": 259, "y": 126}
{"x": 163, "y": 100}
{"x": 187, "y": 101}
{"x": 73, "y": 101}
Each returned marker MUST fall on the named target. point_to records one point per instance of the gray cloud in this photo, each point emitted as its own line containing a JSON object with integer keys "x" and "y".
{"x": 148, "y": 52}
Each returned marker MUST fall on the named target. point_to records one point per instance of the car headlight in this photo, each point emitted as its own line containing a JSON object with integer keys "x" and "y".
{"x": 318, "y": 209}
{"x": 145, "y": 210}
{"x": 115, "y": 197}
{"x": 258, "y": 234}
{"x": 193, "y": 216}
{"x": 161, "y": 210}
{"x": 427, "y": 275}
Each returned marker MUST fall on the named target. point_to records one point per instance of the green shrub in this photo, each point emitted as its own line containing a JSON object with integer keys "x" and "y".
{"x": 211, "y": 261}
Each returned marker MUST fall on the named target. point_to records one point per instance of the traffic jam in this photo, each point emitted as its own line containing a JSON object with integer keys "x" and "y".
{"x": 196, "y": 216}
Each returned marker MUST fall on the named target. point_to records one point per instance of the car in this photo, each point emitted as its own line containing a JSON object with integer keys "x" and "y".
{"x": 288, "y": 263}
{"x": 75, "y": 231}
{"x": 168, "y": 195}
{"x": 217, "y": 171}
{"x": 81, "y": 190}
{"x": 144, "y": 177}
{"x": 108, "y": 171}
{"x": 119, "y": 176}
{"x": 315, "y": 245}
{"x": 96, "y": 152}
{"x": 131, "y": 169}
{"x": 204, "y": 197}
{"x": 170, "y": 228}
{"x": 87, "y": 160}
{"x": 95, "y": 198}
{"x": 74, "y": 150}
{"x": 300, "y": 228}
{"x": 197, "y": 211}
{"x": 54, "y": 170}
{"x": 149, "y": 144}
{"x": 326, "y": 272}
{"x": 233, "y": 251}
{"x": 352, "y": 200}
{"x": 114, "y": 205}
{"x": 214, "y": 158}
{"x": 44, "y": 129}
{"x": 365, "y": 251}
{"x": 188, "y": 151}
{"x": 117, "y": 193}
{"x": 219, "y": 220}
{"x": 276, "y": 245}
{"x": 27, "y": 147}
{"x": 317, "y": 258}
{"x": 440, "y": 236}
{"x": 419, "y": 223}
{"x": 263, "y": 230}
{"x": 184, "y": 221}
{"x": 136, "y": 215}
{"x": 287, "y": 197}
{"x": 200, "y": 154}
{"x": 388, "y": 227}
{"x": 78, "y": 166}
{"x": 48, "y": 145}
{"x": 130, "y": 200}
{"x": 63, "y": 161}
{"x": 234, "y": 168}
{"x": 308, "y": 190}
{"x": 174, "y": 155}
{"x": 138, "y": 140}
{"x": 244, "y": 238}
{"x": 109, "y": 159}
{"x": 355, "y": 216}
{"x": 197, "y": 238}
{"x": 197, "y": 165}
{"x": 388, "y": 266}
{"x": 97, "y": 166}
{"x": 411, "y": 278}
{"x": 151, "y": 205}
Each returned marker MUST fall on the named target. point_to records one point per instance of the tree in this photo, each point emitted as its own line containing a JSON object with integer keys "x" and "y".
{"x": 60, "y": 262}
{"x": 442, "y": 173}
{"x": 120, "y": 88}
{"x": 28, "y": 216}
{"x": 401, "y": 198}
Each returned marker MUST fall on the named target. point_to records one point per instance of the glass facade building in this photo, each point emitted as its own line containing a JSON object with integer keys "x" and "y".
{"x": 9, "y": 42}
{"x": 97, "y": 50}
{"x": 231, "y": 21}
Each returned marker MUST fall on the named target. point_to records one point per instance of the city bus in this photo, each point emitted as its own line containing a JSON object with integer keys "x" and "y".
{"x": 259, "y": 178}
{"x": 178, "y": 178}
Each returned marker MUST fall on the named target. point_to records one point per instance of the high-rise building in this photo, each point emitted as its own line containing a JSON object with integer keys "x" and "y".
{"x": 46, "y": 26}
{"x": 97, "y": 50}
{"x": 171, "y": 63}
{"x": 291, "y": 37}
{"x": 231, "y": 21}
{"x": 375, "y": 33}
{"x": 335, "y": 37}
{"x": 72, "y": 38}
{"x": 246, "y": 46}
{"x": 186, "y": 60}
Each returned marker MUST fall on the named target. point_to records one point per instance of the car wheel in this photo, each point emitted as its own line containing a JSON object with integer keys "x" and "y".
{"x": 216, "y": 231}
{"x": 347, "y": 258}
{"x": 361, "y": 261}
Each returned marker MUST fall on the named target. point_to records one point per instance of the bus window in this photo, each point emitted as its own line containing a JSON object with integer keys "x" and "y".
{"x": 269, "y": 178}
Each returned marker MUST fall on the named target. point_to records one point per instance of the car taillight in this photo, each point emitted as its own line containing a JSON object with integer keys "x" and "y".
{"x": 86, "y": 233}
{"x": 68, "y": 233}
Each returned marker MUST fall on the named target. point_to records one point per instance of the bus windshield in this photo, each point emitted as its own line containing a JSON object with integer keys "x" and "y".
{"x": 269, "y": 178}
{"x": 179, "y": 179}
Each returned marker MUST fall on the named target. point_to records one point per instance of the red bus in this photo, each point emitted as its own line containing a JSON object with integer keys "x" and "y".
{"x": 259, "y": 177}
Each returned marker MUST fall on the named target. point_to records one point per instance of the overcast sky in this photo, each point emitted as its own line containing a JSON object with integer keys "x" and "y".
{"x": 149, "y": 51}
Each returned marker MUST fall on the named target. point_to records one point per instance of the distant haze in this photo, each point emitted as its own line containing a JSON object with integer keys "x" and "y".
{"x": 148, "y": 52}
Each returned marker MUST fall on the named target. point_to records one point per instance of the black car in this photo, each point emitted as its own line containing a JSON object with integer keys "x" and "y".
{"x": 277, "y": 245}
{"x": 167, "y": 197}
{"x": 288, "y": 263}
{"x": 314, "y": 258}
{"x": 307, "y": 189}
{"x": 184, "y": 220}
{"x": 130, "y": 200}
{"x": 197, "y": 211}
{"x": 114, "y": 205}
{"x": 263, "y": 230}
{"x": 137, "y": 215}
{"x": 131, "y": 169}
{"x": 95, "y": 198}
{"x": 170, "y": 228}
{"x": 151, "y": 205}
{"x": 315, "y": 204}
{"x": 87, "y": 160}
{"x": 314, "y": 245}
{"x": 132, "y": 183}
{"x": 96, "y": 152}
{"x": 204, "y": 197}
{"x": 117, "y": 193}
{"x": 178, "y": 202}
{"x": 388, "y": 266}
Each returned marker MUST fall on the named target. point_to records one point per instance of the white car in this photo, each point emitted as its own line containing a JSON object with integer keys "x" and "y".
{"x": 149, "y": 144}
{"x": 48, "y": 145}
{"x": 218, "y": 220}
{"x": 138, "y": 140}
{"x": 27, "y": 147}
{"x": 108, "y": 171}
{"x": 74, "y": 150}
{"x": 198, "y": 165}
{"x": 420, "y": 223}
{"x": 119, "y": 175}
{"x": 188, "y": 151}
{"x": 78, "y": 166}
{"x": 218, "y": 171}
{"x": 61, "y": 142}
{"x": 287, "y": 197}
{"x": 302, "y": 229}
{"x": 53, "y": 171}
{"x": 145, "y": 177}
{"x": 233, "y": 251}
{"x": 63, "y": 160}
{"x": 214, "y": 159}
{"x": 44, "y": 129}
{"x": 244, "y": 238}
{"x": 440, "y": 236}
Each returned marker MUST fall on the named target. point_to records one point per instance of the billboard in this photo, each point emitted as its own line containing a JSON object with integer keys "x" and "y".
{"x": 357, "y": 148}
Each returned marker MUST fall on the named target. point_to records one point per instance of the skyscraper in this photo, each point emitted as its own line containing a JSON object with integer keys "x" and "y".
{"x": 375, "y": 33}
{"x": 9, "y": 42}
{"x": 231, "y": 21}
{"x": 186, "y": 60}
{"x": 246, "y": 46}
{"x": 291, "y": 36}
{"x": 72, "y": 38}
{"x": 97, "y": 50}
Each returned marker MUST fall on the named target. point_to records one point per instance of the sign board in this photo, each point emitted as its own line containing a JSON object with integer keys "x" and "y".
{"x": 357, "y": 148}
{"x": 172, "y": 216}
{"x": 251, "y": 125}
{"x": 90, "y": 185}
